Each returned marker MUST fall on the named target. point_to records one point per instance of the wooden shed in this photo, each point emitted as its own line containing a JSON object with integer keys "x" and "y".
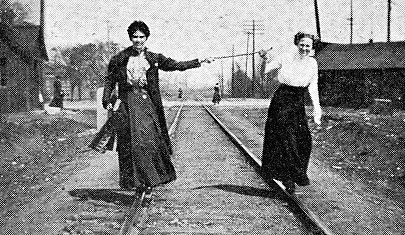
{"x": 353, "y": 75}
{"x": 22, "y": 54}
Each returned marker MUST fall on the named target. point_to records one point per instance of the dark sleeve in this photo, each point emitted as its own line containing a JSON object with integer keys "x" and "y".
{"x": 110, "y": 80}
{"x": 168, "y": 64}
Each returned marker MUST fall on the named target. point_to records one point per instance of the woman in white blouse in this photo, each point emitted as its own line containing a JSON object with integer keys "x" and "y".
{"x": 143, "y": 145}
{"x": 287, "y": 142}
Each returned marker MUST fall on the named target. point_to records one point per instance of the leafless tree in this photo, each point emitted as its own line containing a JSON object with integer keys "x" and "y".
{"x": 85, "y": 64}
{"x": 13, "y": 13}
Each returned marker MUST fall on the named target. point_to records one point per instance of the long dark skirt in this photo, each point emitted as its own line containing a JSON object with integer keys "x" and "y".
{"x": 217, "y": 97}
{"x": 287, "y": 141}
{"x": 57, "y": 101}
{"x": 144, "y": 158}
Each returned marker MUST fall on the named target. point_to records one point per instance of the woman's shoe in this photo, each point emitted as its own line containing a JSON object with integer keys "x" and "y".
{"x": 147, "y": 200}
{"x": 126, "y": 185}
{"x": 289, "y": 186}
{"x": 303, "y": 181}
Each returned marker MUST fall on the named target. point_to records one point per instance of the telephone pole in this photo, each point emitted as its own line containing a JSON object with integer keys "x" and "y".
{"x": 108, "y": 37}
{"x": 253, "y": 59}
{"x": 233, "y": 72}
{"x": 351, "y": 21}
{"x": 389, "y": 22}
{"x": 318, "y": 26}
{"x": 222, "y": 78}
{"x": 253, "y": 29}
{"x": 245, "y": 81}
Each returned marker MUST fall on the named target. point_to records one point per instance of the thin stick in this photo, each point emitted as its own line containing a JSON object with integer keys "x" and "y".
{"x": 244, "y": 54}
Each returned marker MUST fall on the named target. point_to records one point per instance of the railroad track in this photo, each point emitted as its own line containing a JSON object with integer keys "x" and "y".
{"x": 315, "y": 225}
{"x": 137, "y": 215}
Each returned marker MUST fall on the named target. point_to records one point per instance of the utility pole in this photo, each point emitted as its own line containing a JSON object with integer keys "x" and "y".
{"x": 42, "y": 16}
{"x": 245, "y": 83}
{"x": 252, "y": 30}
{"x": 233, "y": 72}
{"x": 222, "y": 78}
{"x": 108, "y": 37}
{"x": 389, "y": 22}
{"x": 318, "y": 26}
{"x": 41, "y": 85}
{"x": 351, "y": 21}
{"x": 253, "y": 60}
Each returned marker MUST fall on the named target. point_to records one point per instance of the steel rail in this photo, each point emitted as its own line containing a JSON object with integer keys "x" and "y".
{"x": 175, "y": 121}
{"x": 131, "y": 216}
{"x": 137, "y": 212}
{"x": 317, "y": 226}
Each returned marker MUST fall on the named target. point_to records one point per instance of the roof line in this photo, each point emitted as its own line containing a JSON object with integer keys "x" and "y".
{"x": 6, "y": 35}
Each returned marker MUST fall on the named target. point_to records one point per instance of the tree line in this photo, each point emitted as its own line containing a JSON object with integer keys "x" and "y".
{"x": 84, "y": 66}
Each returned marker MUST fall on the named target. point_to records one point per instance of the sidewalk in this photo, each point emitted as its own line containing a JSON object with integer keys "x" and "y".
{"x": 92, "y": 104}
{"x": 83, "y": 104}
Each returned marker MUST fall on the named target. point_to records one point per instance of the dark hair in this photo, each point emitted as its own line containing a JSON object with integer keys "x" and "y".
{"x": 57, "y": 84}
{"x": 138, "y": 25}
{"x": 301, "y": 35}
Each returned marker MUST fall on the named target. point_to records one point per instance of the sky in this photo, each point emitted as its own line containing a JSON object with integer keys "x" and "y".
{"x": 188, "y": 29}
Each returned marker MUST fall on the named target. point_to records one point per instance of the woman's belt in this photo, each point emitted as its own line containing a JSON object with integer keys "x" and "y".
{"x": 292, "y": 88}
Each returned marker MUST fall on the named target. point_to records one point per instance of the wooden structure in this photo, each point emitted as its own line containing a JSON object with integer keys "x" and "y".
{"x": 354, "y": 75}
{"x": 22, "y": 53}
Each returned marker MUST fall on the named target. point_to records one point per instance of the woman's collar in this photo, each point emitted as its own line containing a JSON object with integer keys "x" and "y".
{"x": 299, "y": 56}
{"x": 132, "y": 52}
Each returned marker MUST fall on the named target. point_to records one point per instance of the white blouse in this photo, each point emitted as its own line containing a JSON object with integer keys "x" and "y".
{"x": 298, "y": 71}
{"x": 136, "y": 69}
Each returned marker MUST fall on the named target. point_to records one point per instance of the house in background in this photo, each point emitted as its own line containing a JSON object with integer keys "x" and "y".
{"x": 22, "y": 54}
{"x": 353, "y": 75}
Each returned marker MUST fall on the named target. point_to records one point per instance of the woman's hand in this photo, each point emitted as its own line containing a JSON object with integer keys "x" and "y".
{"x": 207, "y": 60}
{"x": 109, "y": 106}
{"x": 317, "y": 116}
{"x": 263, "y": 54}
{"x": 317, "y": 120}
{"x": 142, "y": 82}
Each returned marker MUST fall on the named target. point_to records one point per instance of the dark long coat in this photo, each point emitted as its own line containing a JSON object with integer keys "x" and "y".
{"x": 217, "y": 97}
{"x": 117, "y": 73}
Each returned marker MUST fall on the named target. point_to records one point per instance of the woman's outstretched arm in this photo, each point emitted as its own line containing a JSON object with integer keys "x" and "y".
{"x": 314, "y": 94}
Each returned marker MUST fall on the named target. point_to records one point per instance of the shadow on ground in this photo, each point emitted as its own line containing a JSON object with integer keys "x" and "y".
{"x": 116, "y": 196}
{"x": 246, "y": 190}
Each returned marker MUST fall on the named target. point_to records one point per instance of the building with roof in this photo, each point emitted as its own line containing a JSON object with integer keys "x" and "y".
{"x": 22, "y": 53}
{"x": 353, "y": 75}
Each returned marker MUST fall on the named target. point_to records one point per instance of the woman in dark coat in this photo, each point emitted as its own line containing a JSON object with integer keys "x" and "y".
{"x": 217, "y": 97}
{"x": 287, "y": 141}
{"x": 58, "y": 94}
{"x": 143, "y": 143}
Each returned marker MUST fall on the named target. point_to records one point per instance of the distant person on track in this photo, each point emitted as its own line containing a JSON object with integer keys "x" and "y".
{"x": 217, "y": 97}
{"x": 287, "y": 141}
{"x": 143, "y": 143}
{"x": 180, "y": 93}
{"x": 58, "y": 94}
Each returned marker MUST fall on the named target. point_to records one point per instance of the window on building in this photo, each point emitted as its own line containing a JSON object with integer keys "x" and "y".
{"x": 3, "y": 71}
